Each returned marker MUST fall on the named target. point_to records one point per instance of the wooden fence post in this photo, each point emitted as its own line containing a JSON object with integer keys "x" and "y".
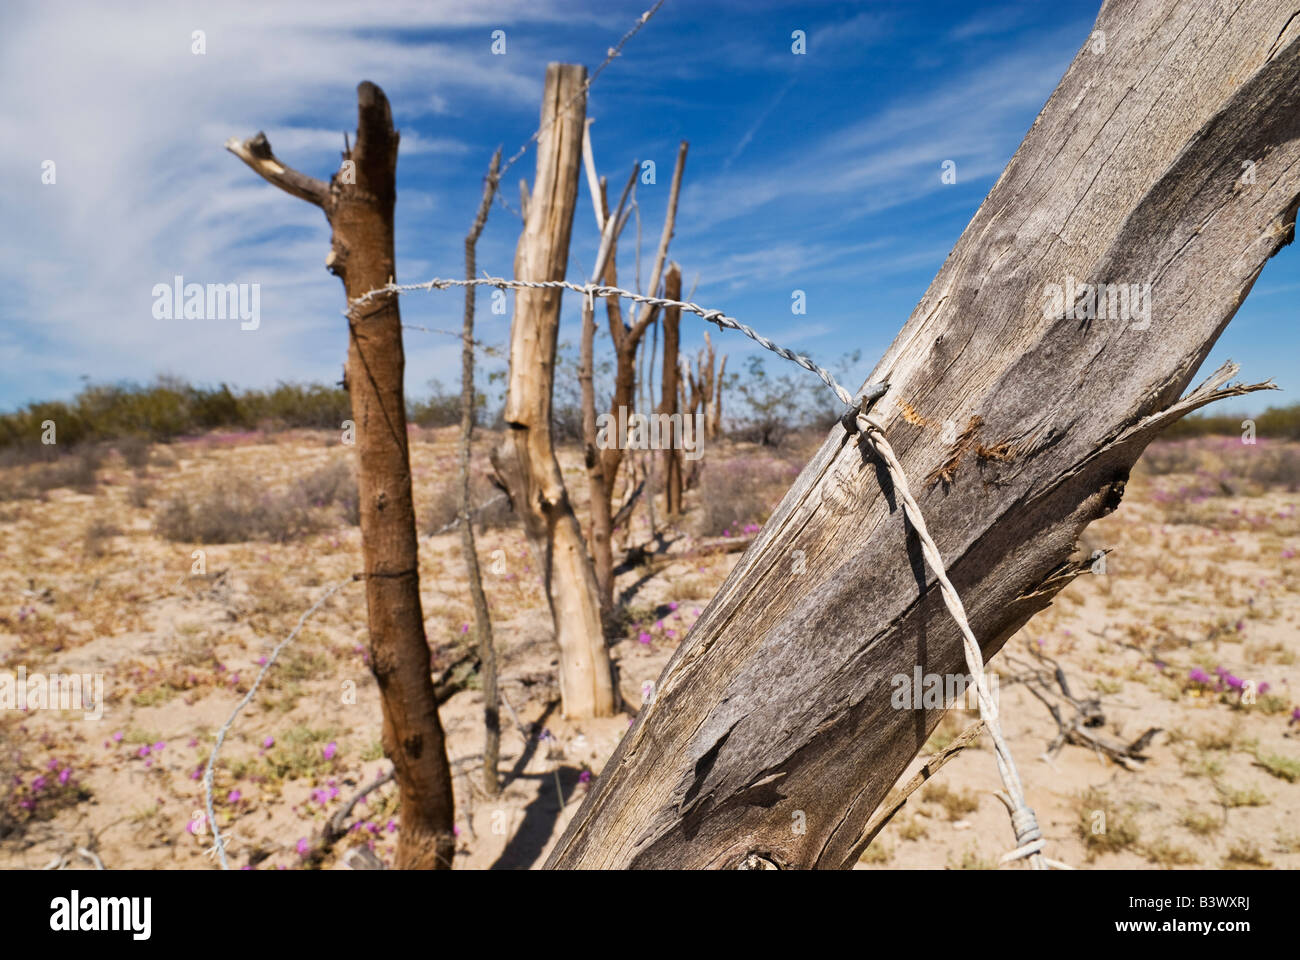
{"x": 672, "y": 456}
{"x": 358, "y": 203}
{"x": 482, "y": 616}
{"x": 773, "y": 733}
{"x": 526, "y": 460}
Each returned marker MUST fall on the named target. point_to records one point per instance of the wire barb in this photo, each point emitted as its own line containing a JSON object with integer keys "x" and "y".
{"x": 712, "y": 316}
{"x": 610, "y": 54}
{"x": 1028, "y": 836}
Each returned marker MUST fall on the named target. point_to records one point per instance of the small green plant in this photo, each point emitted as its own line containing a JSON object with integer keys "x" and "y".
{"x": 1284, "y": 768}
{"x": 879, "y": 852}
{"x": 1271, "y": 704}
{"x": 1201, "y": 765}
{"x": 1245, "y": 853}
{"x": 971, "y": 860}
{"x": 956, "y": 803}
{"x": 1219, "y": 739}
{"x": 153, "y": 697}
{"x": 1165, "y": 853}
{"x": 300, "y": 752}
{"x": 1202, "y": 822}
{"x": 1231, "y": 797}
{"x": 913, "y": 828}
{"x": 1103, "y": 826}
{"x": 301, "y": 663}
{"x": 1287, "y": 842}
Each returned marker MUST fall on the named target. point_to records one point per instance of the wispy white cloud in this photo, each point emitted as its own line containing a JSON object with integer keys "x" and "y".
{"x": 893, "y": 156}
{"x": 135, "y": 121}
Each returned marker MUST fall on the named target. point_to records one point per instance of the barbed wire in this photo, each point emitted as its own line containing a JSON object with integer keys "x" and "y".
{"x": 1024, "y": 823}
{"x": 600, "y": 290}
{"x": 488, "y": 349}
{"x": 610, "y": 55}
{"x": 218, "y": 844}
{"x": 1029, "y": 838}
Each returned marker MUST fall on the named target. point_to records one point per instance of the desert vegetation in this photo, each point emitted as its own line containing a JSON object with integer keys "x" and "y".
{"x": 1198, "y": 597}
{"x": 637, "y": 606}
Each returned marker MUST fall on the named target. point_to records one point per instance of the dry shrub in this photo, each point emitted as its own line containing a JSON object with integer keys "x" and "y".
{"x": 98, "y": 537}
{"x": 335, "y": 483}
{"x": 134, "y": 451}
{"x": 491, "y": 507}
{"x": 1225, "y": 464}
{"x": 235, "y": 510}
{"x": 56, "y": 468}
{"x": 739, "y": 493}
{"x": 1276, "y": 466}
{"x": 441, "y": 510}
{"x": 1162, "y": 459}
{"x": 139, "y": 495}
{"x": 162, "y": 457}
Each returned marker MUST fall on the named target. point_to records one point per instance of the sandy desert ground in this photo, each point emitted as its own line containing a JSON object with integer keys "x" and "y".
{"x": 1191, "y": 628}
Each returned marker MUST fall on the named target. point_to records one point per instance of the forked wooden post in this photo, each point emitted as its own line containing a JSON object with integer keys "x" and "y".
{"x": 358, "y": 203}
{"x": 525, "y": 459}
{"x": 627, "y": 340}
{"x": 772, "y": 734}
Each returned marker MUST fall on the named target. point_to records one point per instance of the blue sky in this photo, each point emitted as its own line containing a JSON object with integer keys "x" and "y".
{"x": 818, "y": 172}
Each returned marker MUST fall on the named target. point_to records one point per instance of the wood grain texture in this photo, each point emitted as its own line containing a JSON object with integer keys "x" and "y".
{"x": 779, "y": 699}
{"x": 525, "y": 459}
{"x": 359, "y": 203}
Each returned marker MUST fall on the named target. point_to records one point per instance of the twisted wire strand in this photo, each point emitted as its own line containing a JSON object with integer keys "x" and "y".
{"x": 218, "y": 842}
{"x": 610, "y": 55}
{"x": 1029, "y": 838}
{"x": 1024, "y": 823}
{"x": 599, "y": 290}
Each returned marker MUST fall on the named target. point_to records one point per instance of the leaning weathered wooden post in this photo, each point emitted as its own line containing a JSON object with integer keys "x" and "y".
{"x": 358, "y": 203}
{"x": 772, "y": 733}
